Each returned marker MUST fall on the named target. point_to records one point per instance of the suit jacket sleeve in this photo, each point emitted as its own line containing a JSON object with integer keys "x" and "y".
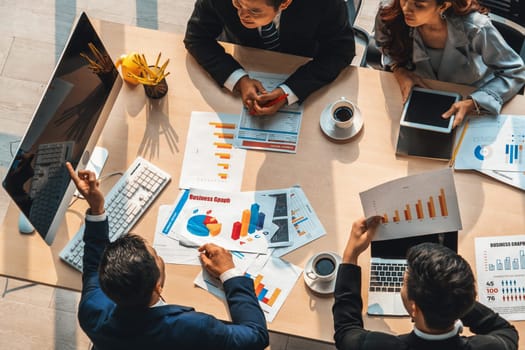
{"x": 248, "y": 330}
{"x": 348, "y": 321}
{"x": 94, "y": 304}
{"x": 335, "y": 51}
{"x": 204, "y": 26}
{"x": 490, "y": 328}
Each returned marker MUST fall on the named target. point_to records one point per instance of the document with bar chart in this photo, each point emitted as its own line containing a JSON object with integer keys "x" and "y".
{"x": 210, "y": 160}
{"x": 493, "y": 143}
{"x": 500, "y": 264}
{"x": 273, "y": 280}
{"x": 414, "y": 205}
{"x": 233, "y": 220}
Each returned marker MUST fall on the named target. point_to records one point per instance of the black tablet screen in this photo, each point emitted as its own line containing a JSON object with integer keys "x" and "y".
{"x": 427, "y": 108}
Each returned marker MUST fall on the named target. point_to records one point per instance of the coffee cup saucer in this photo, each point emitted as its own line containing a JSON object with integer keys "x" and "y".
{"x": 336, "y": 133}
{"x": 321, "y": 287}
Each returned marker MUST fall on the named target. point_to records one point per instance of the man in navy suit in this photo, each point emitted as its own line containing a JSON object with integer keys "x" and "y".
{"x": 311, "y": 28}
{"x": 121, "y": 306}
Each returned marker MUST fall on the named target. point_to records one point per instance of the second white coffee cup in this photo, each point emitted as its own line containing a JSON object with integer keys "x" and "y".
{"x": 324, "y": 267}
{"x": 342, "y": 112}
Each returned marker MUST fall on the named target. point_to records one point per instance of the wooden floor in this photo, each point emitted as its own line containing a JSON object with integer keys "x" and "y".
{"x": 32, "y": 35}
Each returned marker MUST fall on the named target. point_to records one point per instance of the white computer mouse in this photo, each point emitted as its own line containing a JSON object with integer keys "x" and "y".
{"x": 24, "y": 226}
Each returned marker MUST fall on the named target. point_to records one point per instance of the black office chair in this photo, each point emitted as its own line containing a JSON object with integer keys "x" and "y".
{"x": 362, "y": 37}
{"x": 509, "y": 9}
{"x": 513, "y": 33}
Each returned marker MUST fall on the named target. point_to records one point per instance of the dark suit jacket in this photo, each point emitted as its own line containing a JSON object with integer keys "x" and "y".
{"x": 312, "y": 28}
{"x": 492, "y": 331}
{"x": 164, "y": 327}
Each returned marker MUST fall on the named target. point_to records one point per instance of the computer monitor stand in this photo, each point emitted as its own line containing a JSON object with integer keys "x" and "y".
{"x": 96, "y": 163}
{"x": 24, "y": 226}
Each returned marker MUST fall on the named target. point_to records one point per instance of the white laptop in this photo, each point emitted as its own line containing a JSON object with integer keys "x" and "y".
{"x": 387, "y": 266}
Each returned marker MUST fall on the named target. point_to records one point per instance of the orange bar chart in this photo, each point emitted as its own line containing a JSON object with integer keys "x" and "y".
{"x": 443, "y": 203}
{"x": 222, "y": 125}
{"x": 420, "y": 209}
{"x": 223, "y": 155}
{"x": 245, "y": 222}
{"x": 262, "y": 292}
{"x": 431, "y": 207}
{"x": 396, "y": 216}
{"x": 223, "y": 135}
{"x": 223, "y": 176}
{"x": 223, "y": 145}
{"x": 408, "y": 214}
{"x": 225, "y": 166}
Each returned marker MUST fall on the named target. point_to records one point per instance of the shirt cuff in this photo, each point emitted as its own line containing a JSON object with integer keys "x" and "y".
{"x": 234, "y": 78}
{"x": 228, "y": 274}
{"x": 96, "y": 218}
{"x": 292, "y": 98}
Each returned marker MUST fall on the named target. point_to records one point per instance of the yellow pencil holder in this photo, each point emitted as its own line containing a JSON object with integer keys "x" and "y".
{"x": 128, "y": 64}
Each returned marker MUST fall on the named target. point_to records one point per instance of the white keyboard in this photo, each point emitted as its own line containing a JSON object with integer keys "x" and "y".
{"x": 127, "y": 201}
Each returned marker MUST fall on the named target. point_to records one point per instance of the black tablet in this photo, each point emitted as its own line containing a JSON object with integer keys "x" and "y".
{"x": 424, "y": 108}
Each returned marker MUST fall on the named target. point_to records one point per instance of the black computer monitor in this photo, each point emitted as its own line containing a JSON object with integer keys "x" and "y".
{"x": 65, "y": 127}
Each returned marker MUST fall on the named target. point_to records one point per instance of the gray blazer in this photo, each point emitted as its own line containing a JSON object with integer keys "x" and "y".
{"x": 475, "y": 54}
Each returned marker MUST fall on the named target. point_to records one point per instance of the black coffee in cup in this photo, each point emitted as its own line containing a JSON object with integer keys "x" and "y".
{"x": 324, "y": 266}
{"x": 343, "y": 114}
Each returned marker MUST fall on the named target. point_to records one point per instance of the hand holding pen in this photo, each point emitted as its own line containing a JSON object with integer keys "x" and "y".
{"x": 270, "y": 103}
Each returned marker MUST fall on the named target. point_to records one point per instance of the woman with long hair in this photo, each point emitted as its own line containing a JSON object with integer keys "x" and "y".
{"x": 452, "y": 41}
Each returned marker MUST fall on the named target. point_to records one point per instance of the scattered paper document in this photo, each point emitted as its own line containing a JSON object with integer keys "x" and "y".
{"x": 493, "y": 143}
{"x": 170, "y": 249}
{"x": 278, "y": 132}
{"x": 500, "y": 264}
{"x": 307, "y": 226}
{"x": 414, "y": 205}
{"x": 273, "y": 282}
{"x": 211, "y": 162}
{"x": 513, "y": 178}
{"x": 233, "y": 220}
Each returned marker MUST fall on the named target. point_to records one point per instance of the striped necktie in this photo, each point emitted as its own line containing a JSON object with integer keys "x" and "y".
{"x": 270, "y": 36}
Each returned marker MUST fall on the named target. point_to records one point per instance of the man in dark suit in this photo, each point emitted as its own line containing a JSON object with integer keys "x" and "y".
{"x": 438, "y": 292}
{"x": 311, "y": 28}
{"x": 121, "y": 305}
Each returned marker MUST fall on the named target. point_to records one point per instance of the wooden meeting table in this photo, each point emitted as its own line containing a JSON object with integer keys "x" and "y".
{"x": 331, "y": 174}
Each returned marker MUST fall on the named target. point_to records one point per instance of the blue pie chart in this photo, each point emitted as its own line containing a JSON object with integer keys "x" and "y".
{"x": 482, "y": 152}
{"x": 197, "y": 227}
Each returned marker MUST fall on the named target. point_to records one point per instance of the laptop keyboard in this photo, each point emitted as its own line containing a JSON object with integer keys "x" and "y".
{"x": 386, "y": 277}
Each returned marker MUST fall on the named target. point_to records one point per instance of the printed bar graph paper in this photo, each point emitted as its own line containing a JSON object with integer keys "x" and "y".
{"x": 262, "y": 292}
{"x": 414, "y": 205}
{"x": 417, "y": 207}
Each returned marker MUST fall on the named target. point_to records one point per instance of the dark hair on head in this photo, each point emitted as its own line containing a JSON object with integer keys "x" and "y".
{"x": 441, "y": 284}
{"x": 128, "y": 272}
{"x": 399, "y": 43}
{"x": 275, "y": 3}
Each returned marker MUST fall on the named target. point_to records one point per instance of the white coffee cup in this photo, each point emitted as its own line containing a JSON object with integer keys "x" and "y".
{"x": 342, "y": 113}
{"x": 323, "y": 268}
